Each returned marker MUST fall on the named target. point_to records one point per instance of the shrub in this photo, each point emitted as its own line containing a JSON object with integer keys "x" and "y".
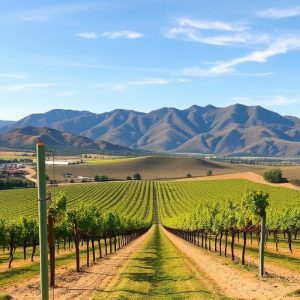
{"x": 97, "y": 178}
{"x": 273, "y": 176}
{"x": 128, "y": 178}
{"x": 295, "y": 182}
{"x": 189, "y": 175}
{"x": 209, "y": 173}
{"x": 137, "y": 176}
{"x": 104, "y": 178}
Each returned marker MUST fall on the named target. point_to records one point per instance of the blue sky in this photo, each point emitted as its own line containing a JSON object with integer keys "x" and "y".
{"x": 146, "y": 54}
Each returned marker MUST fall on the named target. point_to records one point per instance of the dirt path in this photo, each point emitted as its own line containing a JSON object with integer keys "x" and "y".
{"x": 72, "y": 285}
{"x": 233, "y": 281}
{"x": 31, "y": 174}
{"x": 242, "y": 175}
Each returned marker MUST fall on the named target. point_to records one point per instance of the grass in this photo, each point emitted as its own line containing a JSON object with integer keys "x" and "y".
{"x": 293, "y": 294}
{"x": 110, "y": 160}
{"x": 159, "y": 271}
{"x": 283, "y": 260}
{"x": 15, "y": 275}
{"x": 5, "y": 297}
{"x": 31, "y": 269}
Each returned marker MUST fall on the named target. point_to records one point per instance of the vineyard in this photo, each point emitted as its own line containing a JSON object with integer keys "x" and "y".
{"x": 92, "y": 221}
{"x": 213, "y": 215}
{"x": 109, "y": 215}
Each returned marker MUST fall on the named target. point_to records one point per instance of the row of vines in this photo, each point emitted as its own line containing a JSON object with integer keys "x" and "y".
{"x": 214, "y": 215}
{"x": 101, "y": 217}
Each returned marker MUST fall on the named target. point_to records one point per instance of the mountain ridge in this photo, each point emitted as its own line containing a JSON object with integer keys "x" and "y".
{"x": 236, "y": 129}
{"x": 27, "y": 137}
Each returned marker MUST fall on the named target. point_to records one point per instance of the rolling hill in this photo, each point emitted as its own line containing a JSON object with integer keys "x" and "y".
{"x": 236, "y": 129}
{"x": 27, "y": 137}
{"x": 150, "y": 167}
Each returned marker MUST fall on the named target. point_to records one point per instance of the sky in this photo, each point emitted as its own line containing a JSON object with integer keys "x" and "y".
{"x": 148, "y": 54}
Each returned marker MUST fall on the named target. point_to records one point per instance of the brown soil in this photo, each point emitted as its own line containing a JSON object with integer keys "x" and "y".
{"x": 151, "y": 168}
{"x": 236, "y": 282}
{"x": 31, "y": 174}
{"x": 242, "y": 175}
{"x": 72, "y": 285}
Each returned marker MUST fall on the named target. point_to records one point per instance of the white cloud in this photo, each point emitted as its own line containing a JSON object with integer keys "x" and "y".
{"x": 122, "y": 34}
{"x": 13, "y": 75}
{"x": 240, "y": 39}
{"x": 280, "y": 13}
{"x": 141, "y": 82}
{"x": 211, "y": 25}
{"x": 87, "y": 35}
{"x": 29, "y": 86}
{"x": 266, "y": 101}
{"x": 280, "y": 46}
{"x": 230, "y": 34}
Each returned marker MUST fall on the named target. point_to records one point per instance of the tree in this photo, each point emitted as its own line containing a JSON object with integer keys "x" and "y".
{"x": 104, "y": 178}
{"x": 273, "y": 176}
{"x": 257, "y": 202}
{"x": 97, "y": 178}
{"x": 137, "y": 176}
{"x": 128, "y": 178}
{"x": 209, "y": 173}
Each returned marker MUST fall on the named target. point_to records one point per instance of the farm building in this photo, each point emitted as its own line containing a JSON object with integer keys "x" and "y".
{"x": 57, "y": 162}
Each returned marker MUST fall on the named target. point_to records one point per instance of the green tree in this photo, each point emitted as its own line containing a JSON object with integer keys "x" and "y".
{"x": 137, "y": 176}
{"x": 273, "y": 176}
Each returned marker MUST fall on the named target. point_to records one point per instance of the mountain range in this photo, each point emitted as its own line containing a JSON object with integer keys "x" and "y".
{"x": 5, "y": 123}
{"x": 27, "y": 137}
{"x": 235, "y": 130}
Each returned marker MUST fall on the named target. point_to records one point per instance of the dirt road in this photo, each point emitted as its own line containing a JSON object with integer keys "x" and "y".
{"x": 72, "y": 285}
{"x": 235, "y": 282}
{"x": 31, "y": 174}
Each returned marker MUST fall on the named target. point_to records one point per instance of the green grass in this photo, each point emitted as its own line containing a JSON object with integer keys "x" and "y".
{"x": 15, "y": 275}
{"x": 159, "y": 271}
{"x": 293, "y": 294}
{"x": 5, "y": 297}
{"x": 277, "y": 258}
{"x": 111, "y": 161}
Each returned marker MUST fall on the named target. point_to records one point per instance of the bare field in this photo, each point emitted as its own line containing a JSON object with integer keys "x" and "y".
{"x": 150, "y": 167}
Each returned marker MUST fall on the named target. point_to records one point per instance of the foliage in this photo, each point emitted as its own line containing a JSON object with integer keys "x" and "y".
{"x": 273, "y": 176}
{"x": 257, "y": 202}
{"x": 295, "y": 182}
{"x": 10, "y": 183}
{"x": 137, "y": 176}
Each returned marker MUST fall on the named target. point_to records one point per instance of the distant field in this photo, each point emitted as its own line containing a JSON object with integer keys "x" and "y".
{"x": 135, "y": 199}
{"x": 150, "y": 167}
{"x": 10, "y": 155}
